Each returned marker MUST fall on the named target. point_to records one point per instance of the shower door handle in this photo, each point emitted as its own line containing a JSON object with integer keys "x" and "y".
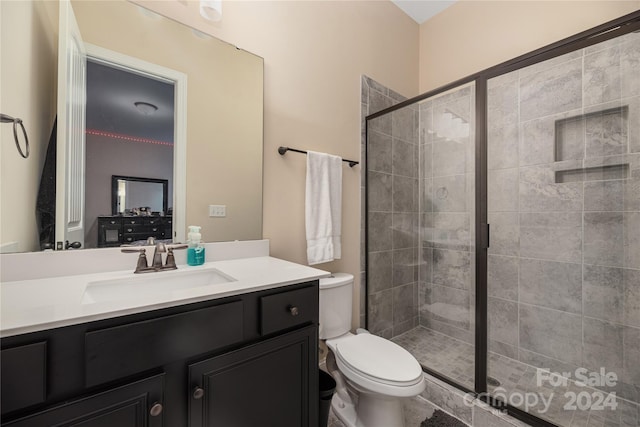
{"x": 488, "y": 235}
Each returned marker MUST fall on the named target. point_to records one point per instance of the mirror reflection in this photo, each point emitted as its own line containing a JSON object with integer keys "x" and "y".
{"x": 216, "y": 146}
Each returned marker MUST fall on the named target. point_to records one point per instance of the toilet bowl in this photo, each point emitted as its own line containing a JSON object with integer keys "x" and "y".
{"x": 372, "y": 374}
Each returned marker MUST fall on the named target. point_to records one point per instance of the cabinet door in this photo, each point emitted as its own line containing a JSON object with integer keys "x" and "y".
{"x": 134, "y": 405}
{"x": 270, "y": 384}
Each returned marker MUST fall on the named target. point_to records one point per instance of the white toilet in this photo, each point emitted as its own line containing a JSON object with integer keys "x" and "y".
{"x": 372, "y": 374}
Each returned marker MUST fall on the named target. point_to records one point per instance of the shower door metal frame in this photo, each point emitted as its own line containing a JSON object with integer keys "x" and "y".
{"x": 609, "y": 30}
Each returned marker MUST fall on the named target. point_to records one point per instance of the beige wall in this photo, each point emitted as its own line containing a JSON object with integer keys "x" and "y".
{"x": 314, "y": 54}
{"x": 28, "y": 91}
{"x": 474, "y": 35}
{"x": 224, "y": 111}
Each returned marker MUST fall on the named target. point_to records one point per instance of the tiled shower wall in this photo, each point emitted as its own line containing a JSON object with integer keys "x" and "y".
{"x": 564, "y": 209}
{"x": 393, "y": 213}
{"x": 446, "y": 283}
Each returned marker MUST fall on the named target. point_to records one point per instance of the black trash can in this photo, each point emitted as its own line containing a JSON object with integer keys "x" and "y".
{"x": 327, "y": 388}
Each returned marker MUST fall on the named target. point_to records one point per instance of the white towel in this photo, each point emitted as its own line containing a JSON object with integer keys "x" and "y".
{"x": 323, "y": 207}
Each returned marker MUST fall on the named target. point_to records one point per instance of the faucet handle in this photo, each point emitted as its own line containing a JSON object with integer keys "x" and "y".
{"x": 142, "y": 264}
{"x": 151, "y": 241}
{"x": 177, "y": 246}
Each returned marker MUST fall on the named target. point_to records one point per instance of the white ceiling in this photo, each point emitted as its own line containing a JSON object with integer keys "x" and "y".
{"x": 421, "y": 10}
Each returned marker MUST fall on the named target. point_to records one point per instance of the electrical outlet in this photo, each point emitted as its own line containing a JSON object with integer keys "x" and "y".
{"x": 217, "y": 211}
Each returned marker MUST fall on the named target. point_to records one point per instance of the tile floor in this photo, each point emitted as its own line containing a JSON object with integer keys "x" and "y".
{"x": 415, "y": 412}
{"x": 455, "y": 359}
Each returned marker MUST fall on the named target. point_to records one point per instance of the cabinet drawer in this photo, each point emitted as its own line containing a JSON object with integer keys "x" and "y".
{"x": 23, "y": 376}
{"x": 288, "y": 309}
{"x": 125, "y": 350}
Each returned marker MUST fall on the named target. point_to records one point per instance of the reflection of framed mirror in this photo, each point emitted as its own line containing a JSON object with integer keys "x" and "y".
{"x": 138, "y": 196}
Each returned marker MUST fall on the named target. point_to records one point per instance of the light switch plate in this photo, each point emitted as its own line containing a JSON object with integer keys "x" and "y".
{"x": 217, "y": 211}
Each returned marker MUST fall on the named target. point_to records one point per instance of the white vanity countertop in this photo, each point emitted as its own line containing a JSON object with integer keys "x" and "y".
{"x": 39, "y": 304}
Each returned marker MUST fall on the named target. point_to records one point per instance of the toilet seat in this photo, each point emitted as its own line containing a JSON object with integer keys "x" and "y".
{"x": 378, "y": 365}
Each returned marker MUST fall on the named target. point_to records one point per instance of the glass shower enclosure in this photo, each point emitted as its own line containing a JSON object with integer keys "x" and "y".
{"x": 503, "y": 231}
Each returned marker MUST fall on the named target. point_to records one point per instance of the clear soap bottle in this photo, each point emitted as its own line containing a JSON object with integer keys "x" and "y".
{"x": 195, "y": 251}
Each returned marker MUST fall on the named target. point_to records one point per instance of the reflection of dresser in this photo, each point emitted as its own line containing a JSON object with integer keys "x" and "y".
{"x": 118, "y": 230}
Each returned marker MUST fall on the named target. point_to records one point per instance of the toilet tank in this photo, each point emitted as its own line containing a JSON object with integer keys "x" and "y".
{"x": 336, "y": 295}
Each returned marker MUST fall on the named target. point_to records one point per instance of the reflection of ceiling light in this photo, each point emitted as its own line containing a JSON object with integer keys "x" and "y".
{"x": 211, "y": 10}
{"x": 145, "y": 108}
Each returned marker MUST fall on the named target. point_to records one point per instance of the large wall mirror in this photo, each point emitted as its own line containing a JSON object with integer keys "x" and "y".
{"x": 135, "y": 94}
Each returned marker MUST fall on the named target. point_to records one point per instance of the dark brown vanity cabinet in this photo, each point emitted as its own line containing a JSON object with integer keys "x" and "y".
{"x": 118, "y": 230}
{"x": 245, "y": 360}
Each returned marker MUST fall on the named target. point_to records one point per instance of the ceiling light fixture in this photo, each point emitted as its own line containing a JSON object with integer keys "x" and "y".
{"x": 145, "y": 108}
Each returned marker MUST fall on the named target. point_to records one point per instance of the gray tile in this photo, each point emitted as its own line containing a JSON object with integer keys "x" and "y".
{"x": 426, "y": 195}
{"x": 603, "y": 292}
{"x": 380, "y": 271}
{"x": 539, "y": 193}
{"x": 503, "y": 321}
{"x": 629, "y": 65}
{"x": 404, "y": 266}
{"x": 631, "y": 297}
{"x": 380, "y": 311}
{"x": 379, "y": 152}
{"x": 631, "y": 191}
{"x": 450, "y": 194}
{"x": 602, "y": 76}
{"x": 374, "y": 85}
{"x": 379, "y": 233}
{"x": 551, "y": 91}
{"x": 502, "y": 277}
{"x": 632, "y": 240}
{"x": 634, "y": 123}
{"x": 404, "y": 126}
{"x": 451, "y": 231}
{"x": 450, "y": 305}
{"x": 404, "y": 190}
{"x": 425, "y": 238}
{"x": 426, "y": 161}
{"x": 426, "y": 265}
{"x": 463, "y": 334}
{"x": 510, "y": 351}
{"x": 405, "y": 230}
{"x": 452, "y": 268}
{"x": 505, "y": 233}
{"x": 631, "y": 354}
{"x": 502, "y": 105}
{"x": 405, "y": 307}
{"x": 569, "y": 139}
{"x": 405, "y": 158}
{"x": 451, "y": 401}
{"x": 377, "y": 102}
{"x": 602, "y": 345}
{"x": 483, "y": 416}
{"x": 380, "y": 185}
{"x": 552, "y": 333}
{"x": 541, "y": 361}
{"x": 425, "y": 118}
{"x": 424, "y": 301}
{"x": 450, "y": 157}
{"x": 606, "y": 134}
{"x": 502, "y": 146}
{"x": 604, "y": 195}
{"x": 503, "y": 189}
{"x": 551, "y": 236}
{"x": 603, "y": 238}
{"x": 556, "y": 285}
{"x": 537, "y": 142}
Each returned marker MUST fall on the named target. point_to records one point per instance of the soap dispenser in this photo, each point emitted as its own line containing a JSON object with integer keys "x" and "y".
{"x": 195, "y": 251}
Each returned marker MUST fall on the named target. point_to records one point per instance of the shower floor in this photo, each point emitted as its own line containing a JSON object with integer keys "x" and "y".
{"x": 455, "y": 359}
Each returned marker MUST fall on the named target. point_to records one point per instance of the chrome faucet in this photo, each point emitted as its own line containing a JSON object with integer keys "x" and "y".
{"x": 156, "y": 265}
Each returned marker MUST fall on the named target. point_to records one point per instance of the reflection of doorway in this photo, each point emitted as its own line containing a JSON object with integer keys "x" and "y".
{"x": 132, "y": 130}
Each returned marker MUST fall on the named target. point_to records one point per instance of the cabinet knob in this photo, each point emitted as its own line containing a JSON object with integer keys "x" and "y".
{"x": 156, "y": 409}
{"x": 198, "y": 392}
{"x": 293, "y": 310}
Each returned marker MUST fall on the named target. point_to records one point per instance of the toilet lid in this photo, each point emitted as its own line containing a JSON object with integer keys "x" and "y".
{"x": 379, "y": 359}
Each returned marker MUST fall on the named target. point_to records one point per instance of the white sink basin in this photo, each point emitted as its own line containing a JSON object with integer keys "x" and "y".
{"x": 149, "y": 284}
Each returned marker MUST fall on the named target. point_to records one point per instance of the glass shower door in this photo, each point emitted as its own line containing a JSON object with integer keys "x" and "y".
{"x": 564, "y": 260}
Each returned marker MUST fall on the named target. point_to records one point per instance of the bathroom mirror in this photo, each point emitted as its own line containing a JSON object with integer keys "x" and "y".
{"x": 223, "y": 121}
{"x": 132, "y": 195}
